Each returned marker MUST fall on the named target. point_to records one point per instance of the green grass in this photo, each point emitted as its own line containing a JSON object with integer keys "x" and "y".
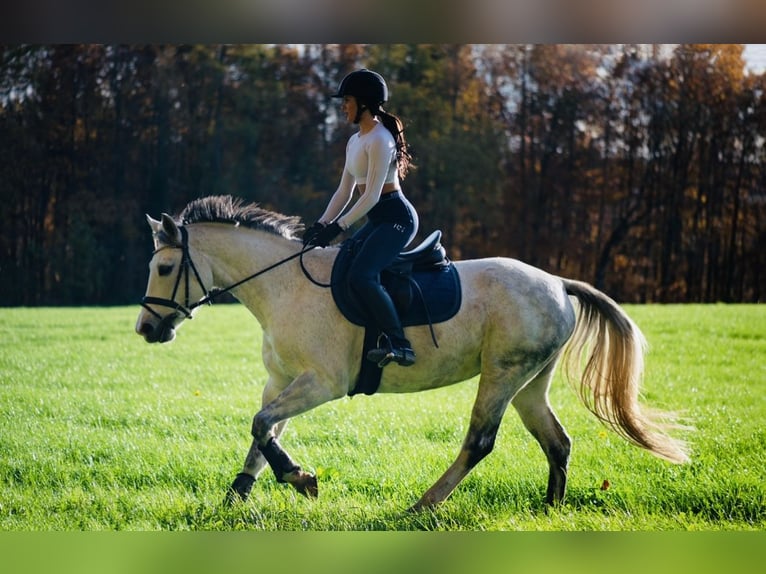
{"x": 100, "y": 431}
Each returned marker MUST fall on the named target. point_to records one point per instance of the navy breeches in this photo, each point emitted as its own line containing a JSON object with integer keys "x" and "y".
{"x": 391, "y": 225}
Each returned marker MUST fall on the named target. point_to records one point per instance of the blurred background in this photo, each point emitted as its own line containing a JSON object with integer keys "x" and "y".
{"x": 636, "y": 167}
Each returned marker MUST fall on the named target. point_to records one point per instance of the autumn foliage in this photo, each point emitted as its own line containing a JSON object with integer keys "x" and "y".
{"x": 637, "y": 168}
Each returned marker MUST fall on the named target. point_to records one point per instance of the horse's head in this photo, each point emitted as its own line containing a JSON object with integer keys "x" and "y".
{"x": 175, "y": 285}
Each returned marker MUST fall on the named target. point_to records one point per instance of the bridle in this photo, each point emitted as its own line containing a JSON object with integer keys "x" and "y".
{"x": 185, "y": 270}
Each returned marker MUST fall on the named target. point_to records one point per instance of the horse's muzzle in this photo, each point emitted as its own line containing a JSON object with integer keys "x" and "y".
{"x": 162, "y": 332}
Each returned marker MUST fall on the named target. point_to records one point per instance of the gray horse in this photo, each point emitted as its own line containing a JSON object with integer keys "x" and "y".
{"x": 514, "y": 325}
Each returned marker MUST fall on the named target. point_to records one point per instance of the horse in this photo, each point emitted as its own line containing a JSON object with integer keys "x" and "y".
{"x": 515, "y": 324}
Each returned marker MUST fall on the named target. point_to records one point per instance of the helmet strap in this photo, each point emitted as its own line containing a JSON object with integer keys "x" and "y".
{"x": 359, "y": 111}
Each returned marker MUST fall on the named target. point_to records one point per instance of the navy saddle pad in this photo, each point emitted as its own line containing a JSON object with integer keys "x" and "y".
{"x": 422, "y": 282}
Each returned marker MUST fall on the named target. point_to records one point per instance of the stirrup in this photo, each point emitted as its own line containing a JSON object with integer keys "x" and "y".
{"x": 383, "y": 355}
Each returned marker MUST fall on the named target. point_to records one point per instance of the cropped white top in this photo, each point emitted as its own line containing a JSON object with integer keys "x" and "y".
{"x": 372, "y": 156}
{"x": 370, "y": 161}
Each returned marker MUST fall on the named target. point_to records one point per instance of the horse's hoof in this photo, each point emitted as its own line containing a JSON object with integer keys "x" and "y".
{"x": 239, "y": 489}
{"x": 418, "y": 507}
{"x": 304, "y": 483}
{"x": 308, "y": 486}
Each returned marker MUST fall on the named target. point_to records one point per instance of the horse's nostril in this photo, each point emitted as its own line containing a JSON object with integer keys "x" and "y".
{"x": 146, "y": 328}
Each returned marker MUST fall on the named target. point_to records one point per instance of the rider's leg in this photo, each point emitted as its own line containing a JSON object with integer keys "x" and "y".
{"x": 380, "y": 305}
{"x": 383, "y": 242}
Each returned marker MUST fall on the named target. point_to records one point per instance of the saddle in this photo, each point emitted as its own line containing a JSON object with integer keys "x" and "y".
{"x": 423, "y": 284}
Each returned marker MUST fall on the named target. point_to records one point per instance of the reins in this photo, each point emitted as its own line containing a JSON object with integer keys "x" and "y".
{"x": 209, "y": 296}
{"x": 308, "y": 275}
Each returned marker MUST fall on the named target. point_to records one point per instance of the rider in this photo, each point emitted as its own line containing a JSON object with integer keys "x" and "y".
{"x": 376, "y": 159}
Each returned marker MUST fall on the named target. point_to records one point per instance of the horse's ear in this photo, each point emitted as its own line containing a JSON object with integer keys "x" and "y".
{"x": 170, "y": 229}
{"x": 154, "y": 224}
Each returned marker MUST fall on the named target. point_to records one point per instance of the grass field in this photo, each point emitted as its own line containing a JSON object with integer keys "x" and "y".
{"x": 100, "y": 431}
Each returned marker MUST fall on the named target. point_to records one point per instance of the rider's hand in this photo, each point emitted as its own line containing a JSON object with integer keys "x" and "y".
{"x": 310, "y": 234}
{"x": 326, "y": 234}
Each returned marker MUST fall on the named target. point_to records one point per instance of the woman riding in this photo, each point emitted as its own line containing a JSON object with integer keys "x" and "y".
{"x": 377, "y": 159}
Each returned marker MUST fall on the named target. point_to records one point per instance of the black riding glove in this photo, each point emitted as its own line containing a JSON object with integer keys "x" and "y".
{"x": 310, "y": 234}
{"x": 326, "y": 234}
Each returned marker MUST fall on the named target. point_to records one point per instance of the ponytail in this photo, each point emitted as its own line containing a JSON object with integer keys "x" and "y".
{"x": 394, "y": 125}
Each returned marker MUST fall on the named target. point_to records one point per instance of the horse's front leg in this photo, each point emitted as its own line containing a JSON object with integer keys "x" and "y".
{"x": 254, "y": 464}
{"x": 303, "y": 394}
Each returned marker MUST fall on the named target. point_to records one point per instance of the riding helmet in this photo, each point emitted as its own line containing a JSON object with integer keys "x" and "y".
{"x": 365, "y": 85}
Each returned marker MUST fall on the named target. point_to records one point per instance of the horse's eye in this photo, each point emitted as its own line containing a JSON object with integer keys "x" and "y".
{"x": 165, "y": 270}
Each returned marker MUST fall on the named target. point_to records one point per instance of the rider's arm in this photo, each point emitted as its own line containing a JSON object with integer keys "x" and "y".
{"x": 339, "y": 199}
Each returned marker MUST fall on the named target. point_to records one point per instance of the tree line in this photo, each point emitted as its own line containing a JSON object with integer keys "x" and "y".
{"x": 638, "y": 168}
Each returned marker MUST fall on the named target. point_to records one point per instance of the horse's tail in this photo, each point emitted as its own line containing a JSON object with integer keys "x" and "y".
{"x": 612, "y": 373}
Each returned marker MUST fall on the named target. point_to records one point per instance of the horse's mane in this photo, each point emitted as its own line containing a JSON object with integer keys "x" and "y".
{"x": 228, "y": 209}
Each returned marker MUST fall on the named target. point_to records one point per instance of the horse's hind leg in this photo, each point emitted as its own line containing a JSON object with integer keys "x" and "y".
{"x": 491, "y": 402}
{"x": 532, "y": 405}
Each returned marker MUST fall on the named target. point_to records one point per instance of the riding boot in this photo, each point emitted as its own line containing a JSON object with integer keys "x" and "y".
{"x": 394, "y": 346}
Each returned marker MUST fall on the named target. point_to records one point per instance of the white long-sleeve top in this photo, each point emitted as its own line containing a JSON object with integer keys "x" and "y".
{"x": 370, "y": 160}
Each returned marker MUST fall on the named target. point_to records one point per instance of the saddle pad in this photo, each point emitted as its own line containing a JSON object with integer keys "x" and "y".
{"x": 440, "y": 288}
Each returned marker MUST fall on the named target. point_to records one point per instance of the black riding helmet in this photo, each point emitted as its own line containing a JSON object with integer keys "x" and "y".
{"x": 364, "y": 85}
{"x": 368, "y": 87}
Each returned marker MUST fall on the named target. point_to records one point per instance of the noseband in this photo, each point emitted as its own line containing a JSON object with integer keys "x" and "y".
{"x": 187, "y": 267}
{"x": 183, "y": 271}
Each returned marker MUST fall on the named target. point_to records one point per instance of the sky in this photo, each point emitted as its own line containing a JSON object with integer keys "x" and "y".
{"x": 755, "y": 57}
